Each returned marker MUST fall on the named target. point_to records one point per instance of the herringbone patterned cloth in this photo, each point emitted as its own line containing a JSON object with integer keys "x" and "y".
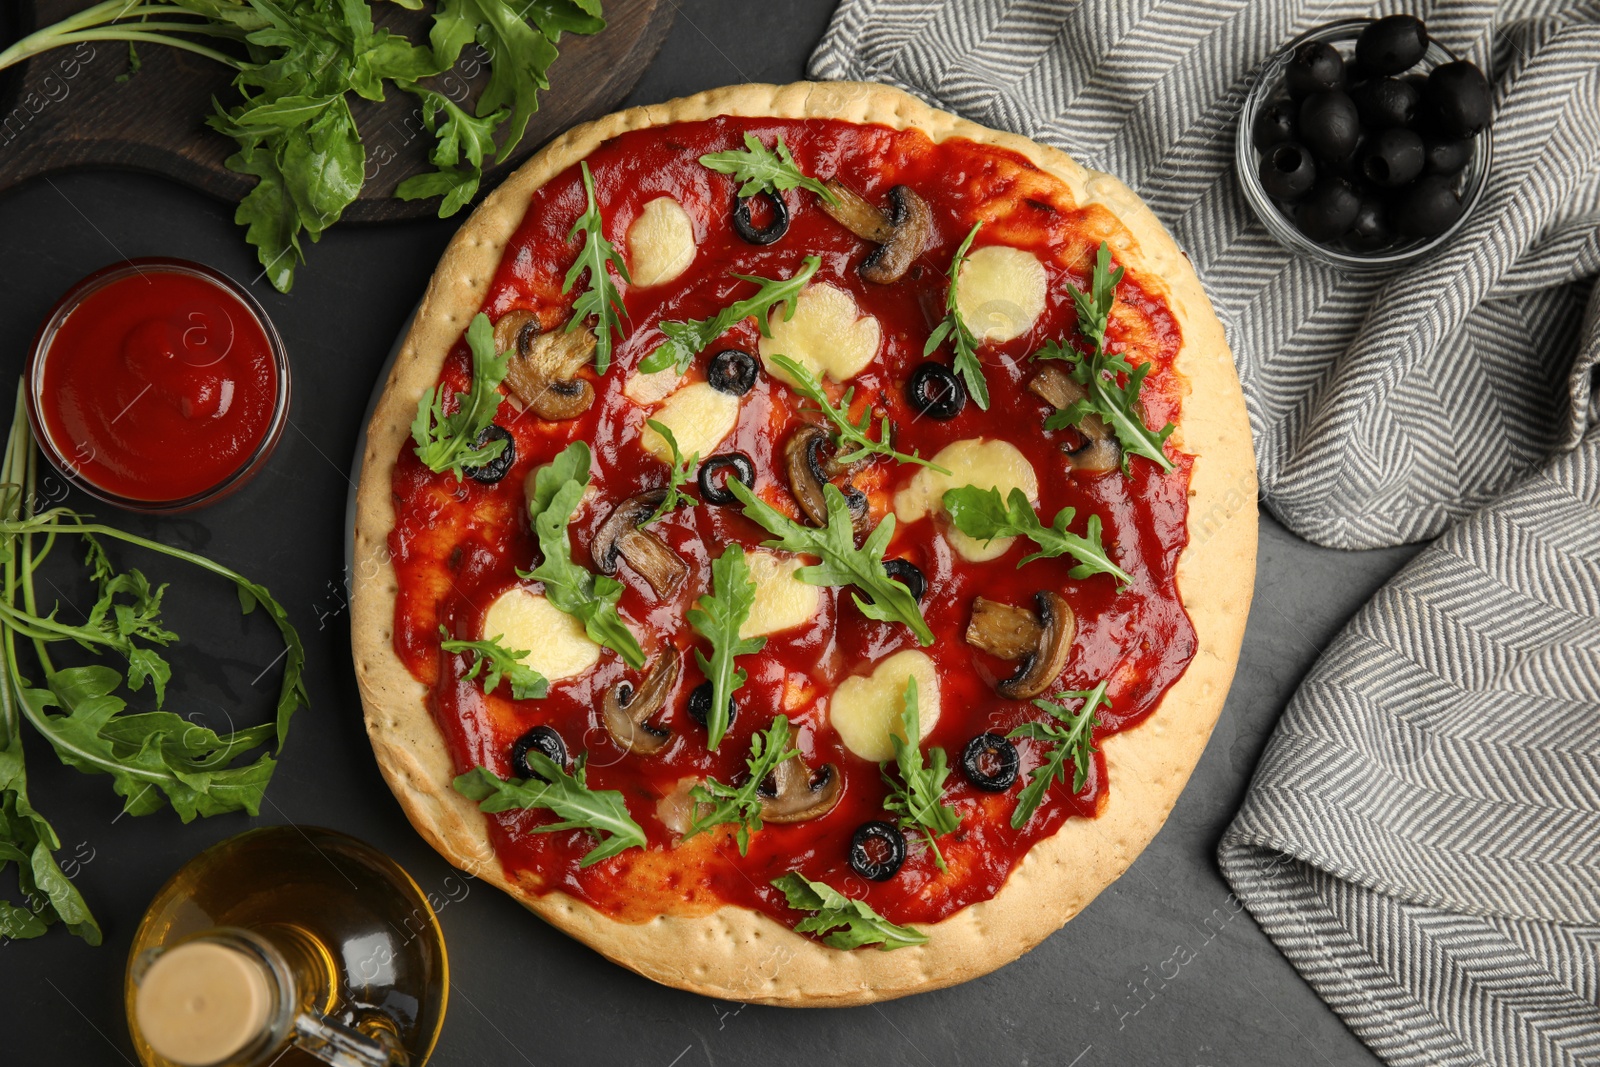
{"x": 1422, "y": 838}
{"x": 1382, "y": 408}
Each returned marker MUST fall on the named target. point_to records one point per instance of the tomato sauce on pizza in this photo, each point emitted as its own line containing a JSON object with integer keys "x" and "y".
{"x": 458, "y": 544}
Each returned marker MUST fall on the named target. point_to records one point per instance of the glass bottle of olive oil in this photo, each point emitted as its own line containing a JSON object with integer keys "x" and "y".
{"x": 287, "y": 945}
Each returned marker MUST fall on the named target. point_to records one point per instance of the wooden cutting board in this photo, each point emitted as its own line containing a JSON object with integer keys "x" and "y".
{"x": 66, "y": 108}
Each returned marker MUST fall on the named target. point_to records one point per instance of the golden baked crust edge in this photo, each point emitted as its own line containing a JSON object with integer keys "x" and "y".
{"x": 733, "y": 953}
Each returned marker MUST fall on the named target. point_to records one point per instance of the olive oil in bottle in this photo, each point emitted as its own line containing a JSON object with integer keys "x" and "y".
{"x": 289, "y": 946}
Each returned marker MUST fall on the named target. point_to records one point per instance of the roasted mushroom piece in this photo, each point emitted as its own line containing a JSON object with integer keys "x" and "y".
{"x": 1041, "y": 639}
{"x": 901, "y": 233}
{"x": 802, "y": 455}
{"x": 543, "y": 368}
{"x": 797, "y": 795}
{"x": 646, "y": 553}
{"x": 1099, "y": 452}
{"x": 626, "y": 712}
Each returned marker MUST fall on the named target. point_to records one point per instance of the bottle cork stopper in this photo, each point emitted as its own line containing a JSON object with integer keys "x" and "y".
{"x": 202, "y": 1002}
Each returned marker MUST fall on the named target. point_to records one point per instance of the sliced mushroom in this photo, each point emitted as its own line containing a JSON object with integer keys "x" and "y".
{"x": 802, "y": 455}
{"x": 646, "y": 553}
{"x": 626, "y": 711}
{"x": 797, "y": 794}
{"x": 543, "y": 368}
{"x": 1004, "y": 631}
{"x": 901, "y": 233}
{"x": 1041, "y": 639}
{"x": 1099, "y": 451}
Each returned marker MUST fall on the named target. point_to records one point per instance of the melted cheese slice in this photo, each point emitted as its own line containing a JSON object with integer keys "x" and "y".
{"x": 866, "y": 709}
{"x": 660, "y": 243}
{"x": 648, "y": 389}
{"x": 699, "y": 418}
{"x": 782, "y": 601}
{"x": 1000, "y": 292}
{"x": 552, "y": 642}
{"x": 827, "y": 335}
{"x": 974, "y": 461}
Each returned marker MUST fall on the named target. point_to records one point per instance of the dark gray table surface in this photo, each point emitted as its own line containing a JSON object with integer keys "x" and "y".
{"x": 1101, "y": 991}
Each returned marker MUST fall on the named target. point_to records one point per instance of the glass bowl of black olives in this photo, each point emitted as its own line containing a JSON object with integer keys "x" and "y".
{"x": 1365, "y": 144}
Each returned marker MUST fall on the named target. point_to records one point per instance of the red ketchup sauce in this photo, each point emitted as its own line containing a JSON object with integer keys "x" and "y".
{"x": 456, "y": 544}
{"x": 158, "y": 384}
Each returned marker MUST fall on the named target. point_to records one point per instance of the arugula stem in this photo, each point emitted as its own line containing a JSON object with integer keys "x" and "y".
{"x": 93, "y": 24}
{"x": 134, "y": 37}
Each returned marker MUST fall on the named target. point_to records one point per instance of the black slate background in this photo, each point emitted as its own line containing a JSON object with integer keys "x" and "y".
{"x": 1162, "y": 969}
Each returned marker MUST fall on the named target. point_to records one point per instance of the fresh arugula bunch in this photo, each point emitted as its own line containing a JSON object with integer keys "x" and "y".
{"x": 1071, "y": 737}
{"x": 296, "y": 62}
{"x": 462, "y": 142}
{"x": 853, "y": 922}
{"x": 494, "y": 661}
{"x": 857, "y": 433}
{"x": 590, "y": 598}
{"x": 450, "y": 442}
{"x": 954, "y": 326}
{"x": 717, "y": 803}
{"x": 1101, "y": 372}
{"x": 980, "y": 513}
{"x": 764, "y": 171}
{"x": 685, "y": 340}
{"x": 154, "y": 758}
{"x": 600, "y": 300}
{"x": 601, "y": 812}
{"x": 718, "y": 617}
{"x": 842, "y": 562}
{"x": 916, "y": 787}
{"x": 680, "y": 473}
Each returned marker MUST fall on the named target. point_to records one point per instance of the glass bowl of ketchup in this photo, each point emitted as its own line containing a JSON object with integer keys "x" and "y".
{"x": 158, "y": 385}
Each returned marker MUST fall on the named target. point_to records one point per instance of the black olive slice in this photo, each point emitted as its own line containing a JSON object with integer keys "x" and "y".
{"x": 547, "y": 741}
{"x": 773, "y": 230}
{"x": 990, "y": 762}
{"x": 500, "y": 465}
{"x": 935, "y": 391}
{"x": 732, "y": 371}
{"x": 714, "y": 490}
{"x": 877, "y": 849}
{"x": 700, "y": 704}
{"x": 907, "y": 574}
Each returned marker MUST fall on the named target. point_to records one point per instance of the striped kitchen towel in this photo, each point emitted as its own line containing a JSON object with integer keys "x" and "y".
{"x": 1422, "y": 838}
{"x": 1383, "y": 408}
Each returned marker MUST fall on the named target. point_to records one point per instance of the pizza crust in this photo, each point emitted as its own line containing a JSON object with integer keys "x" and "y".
{"x": 733, "y": 953}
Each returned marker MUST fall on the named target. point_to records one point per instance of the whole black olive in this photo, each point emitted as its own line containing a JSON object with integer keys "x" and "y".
{"x": 1274, "y": 124}
{"x": 1445, "y": 156}
{"x": 547, "y": 741}
{"x": 1372, "y": 230}
{"x": 1329, "y": 125}
{"x": 990, "y": 762}
{"x": 700, "y": 704}
{"x": 935, "y": 391}
{"x": 772, "y": 231}
{"x": 714, "y": 489}
{"x": 1386, "y": 102}
{"x": 1392, "y": 158}
{"x": 1316, "y": 67}
{"x": 877, "y": 849}
{"x": 1429, "y": 207}
{"x": 1392, "y": 44}
{"x": 732, "y": 371}
{"x": 1288, "y": 172}
{"x": 497, "y": 467}
{"x": 1458, "y": 98}
{"x": 907, "y": 574}
{"x": 1329, "y": 210}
